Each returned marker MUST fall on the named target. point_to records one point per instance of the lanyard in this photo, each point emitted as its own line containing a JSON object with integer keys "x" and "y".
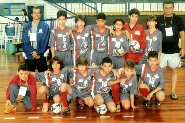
{"x": 21, "y": 84}
{"x": 170, "y": 21}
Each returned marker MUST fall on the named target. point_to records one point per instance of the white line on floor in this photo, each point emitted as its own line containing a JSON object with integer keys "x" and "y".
{"x": 9, "y": 118}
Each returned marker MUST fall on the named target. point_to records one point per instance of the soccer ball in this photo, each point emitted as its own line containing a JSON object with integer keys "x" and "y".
{"x": 56, "y": 108}
{"x": 135, "y": 46}
{"x": 102, "y": 109}
{"x": 118, "y": 51}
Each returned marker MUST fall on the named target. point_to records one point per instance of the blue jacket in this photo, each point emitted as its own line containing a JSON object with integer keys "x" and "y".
{"x": 42, "y": 39}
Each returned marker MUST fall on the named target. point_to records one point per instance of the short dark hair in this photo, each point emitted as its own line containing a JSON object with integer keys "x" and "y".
{"x": 101, "y": 16}
{"x": 80, "y": 17}
{"x": 152, "y": 18}
{"x": 129, "y": 64}
{"x": 119, "y": 19}
{"x": 35, "y": 7}
{"x": 106, "y": 60}
{"x": 153, "y": 54}
{"x": 25, "y": 13}
{"x": 168, "y": 2}
{"x": 55, "y": 59}
{"x": 23, "y": 67}
{"x": 61, "y": 13}
{"x": 81, "y": 61}
{"x": 134, "y": 11}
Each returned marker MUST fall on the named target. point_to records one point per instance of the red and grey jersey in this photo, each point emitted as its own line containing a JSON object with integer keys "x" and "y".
{"x": 118, "y": 42}
{"x": 137, "y": 33}
{"x": 153, "y": 41}
{"x": 151, "y": 78}
{"x": 59, "y": 39}
{"x": 80, "y": 81}
{"x": 54, "y": 80}
{"x": 130, "y": 86}
{"x": 100, "y": 83}
{"x": 100, "y": 40}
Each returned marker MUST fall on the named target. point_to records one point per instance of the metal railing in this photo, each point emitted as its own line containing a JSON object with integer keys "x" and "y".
{"x": 76, "y": 7}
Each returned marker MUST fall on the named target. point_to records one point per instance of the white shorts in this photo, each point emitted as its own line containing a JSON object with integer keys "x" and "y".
{"x": 171, "y": 60}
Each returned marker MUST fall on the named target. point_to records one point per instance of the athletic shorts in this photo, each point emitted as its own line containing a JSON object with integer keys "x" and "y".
{"x": 171, "y": 60}
{"x": 106, "y": 96}
{"x": 82, "y": 93}
{"x": 52, "y": 93}
{"x": 124, "y": 96}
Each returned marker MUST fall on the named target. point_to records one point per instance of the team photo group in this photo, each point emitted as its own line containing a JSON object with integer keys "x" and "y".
{"x": 107, "y": 67}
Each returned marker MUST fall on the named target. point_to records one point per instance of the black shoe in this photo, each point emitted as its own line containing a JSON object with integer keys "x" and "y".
{"x": 148, "y": 103}
{"x": 157, "y": 103}
{"x": 64, "y": 112}
{"x": 136, "y": 96}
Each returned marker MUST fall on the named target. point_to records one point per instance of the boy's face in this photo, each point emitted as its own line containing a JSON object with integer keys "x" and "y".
{"x": 80, "y": 23}
{"x": 152, "y": 62}
{"x": 128, "y": 72}
{"x": 82, "y": 68}
{"x": 107, "y": 67}
{"x": 118, "y": 25}
{"x": 55, "y": 66}
{"x": 36, "y": 14}
{"x": 133, "y": 18}
{"x": 151, "y": 24}
{"x": 61, "y": 20}
{"x": 168, "y": 9}
{"x": 100, "y": 22}
{"x": 23, "y": 75}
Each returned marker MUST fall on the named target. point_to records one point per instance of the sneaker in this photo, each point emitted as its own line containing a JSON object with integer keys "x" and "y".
{"x": 81, "y": 104}
{"x": 157, "y": 103}
{"x": 118, "y": 108}
{"x": 9, "y": 109}
{"x": 64, "y": 112}
{"x": 45, "y": 107}
{"x": 148, "y": 103}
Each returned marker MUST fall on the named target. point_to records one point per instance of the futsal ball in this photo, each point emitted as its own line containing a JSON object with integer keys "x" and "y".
{"x": 102, "y": 109}
{"x": 135, "y": 46}
{"x": 56, "y": 108}
{"x": 118, "y": 51}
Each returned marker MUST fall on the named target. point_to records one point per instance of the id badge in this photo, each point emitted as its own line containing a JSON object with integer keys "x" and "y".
{"x": 22, "y": 91}
{"x": 169, "y": 31}
{"x": 33, "y": 37}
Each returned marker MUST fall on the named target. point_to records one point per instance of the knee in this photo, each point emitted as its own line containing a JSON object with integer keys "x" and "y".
{"x": 14, "y": 86}
{"x": 112, "y": 109}
{"x": 142, "y": 86}
{"x": 100, "y": 102}
{"x": 160, "y": 96}
{"x": 90, "y": 103}
{"x": 42, "y": 89}
{"x": 126, "y": 107}
{"x": 63, "y": 87}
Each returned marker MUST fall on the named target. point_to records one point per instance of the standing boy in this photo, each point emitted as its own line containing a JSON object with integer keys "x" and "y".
{"x": 153, "y": 38}
{"x": 118, "y": 45}
{"x": 137, "y": 33}
{"x": 60, "y": 41}
{"x": 100, "y": 40}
